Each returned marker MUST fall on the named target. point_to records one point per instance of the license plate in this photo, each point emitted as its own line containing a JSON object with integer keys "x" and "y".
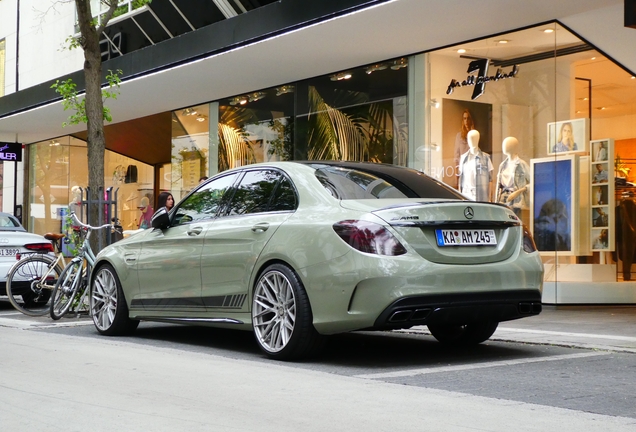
{"x": 9, "y": 252}
{"x": 464, "y": 237}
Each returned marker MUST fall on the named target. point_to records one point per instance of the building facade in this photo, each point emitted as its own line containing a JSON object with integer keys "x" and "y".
{"x": 211, "y": 85}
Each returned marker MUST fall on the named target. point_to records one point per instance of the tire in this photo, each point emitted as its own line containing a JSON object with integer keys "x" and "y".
{"x": 281, "y": 316}
{"x": 108, "y": 304}
{"x": 463, "y": 335}
{"x": 67, "y": 289}
{"x": 26, "y": 292}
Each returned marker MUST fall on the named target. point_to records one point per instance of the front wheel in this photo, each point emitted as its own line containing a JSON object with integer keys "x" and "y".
{"x": 30, "y": 283}
{"x": 66, "y": 290}
{"x": 108, "y": 305}
{"x": 281, "y": 315}
{"x": 463, "y": 335}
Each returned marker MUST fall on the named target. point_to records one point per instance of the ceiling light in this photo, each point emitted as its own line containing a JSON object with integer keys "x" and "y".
{"x": 434, "y": 103}
{"x": 200, "y": 118}
{"x": 188, "y": 112}
{"x": 634, "y": 77}
{"x": 238, "y": 100}
{"x": 376, "y": 67}
{"x": 593, "y": 58}
{"x": 284, "y": 89}
{"x": 502, "y": 41}
{"x": 253, "y": 97}
{"x": 54, "y": 143}
{"x": 548, "y": 30}
{"x": 461, "y": 51}
{"x": 341, "y": 76}
{"x": 399, "y": 63}
{"x": 601, "y": 108}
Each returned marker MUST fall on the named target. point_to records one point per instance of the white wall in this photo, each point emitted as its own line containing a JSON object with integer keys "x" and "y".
{"x": 44, "y": 27}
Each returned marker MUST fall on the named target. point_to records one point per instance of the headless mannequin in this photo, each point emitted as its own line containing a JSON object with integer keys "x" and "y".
{"x": 510, "y": 148}
{"x": 475, "y": 170}
{"x": 513, "y": 178}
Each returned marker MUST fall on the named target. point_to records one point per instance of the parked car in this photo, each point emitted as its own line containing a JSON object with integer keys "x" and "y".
{"x": 295, "y": 251}
{"x": 15, "y": 241}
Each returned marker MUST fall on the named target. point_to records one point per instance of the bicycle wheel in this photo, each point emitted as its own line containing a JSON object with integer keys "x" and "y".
{"x": 66, "y": 289}
{"x": 30, "y": 283}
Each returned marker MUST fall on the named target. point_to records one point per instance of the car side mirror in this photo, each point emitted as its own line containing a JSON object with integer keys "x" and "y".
{"x": 160, "y": 219}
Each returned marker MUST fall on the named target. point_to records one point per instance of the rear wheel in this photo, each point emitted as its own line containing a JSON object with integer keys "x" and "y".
{"x": 281, "y": 315}
{"x": 108, "y": 305}
{"x": 463, "y": 335}
{"x": 30, "y": 283}
{"x": 67, "y": 289}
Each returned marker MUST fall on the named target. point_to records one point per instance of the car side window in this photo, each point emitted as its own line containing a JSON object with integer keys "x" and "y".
{"x": 205, "y": 202}
{"x": 254, "y": 192}
{"x": 284, "y": 197}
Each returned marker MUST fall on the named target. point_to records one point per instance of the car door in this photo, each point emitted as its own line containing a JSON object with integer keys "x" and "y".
{"x": 262, "y": 200}
{"x": 169, "y": 261}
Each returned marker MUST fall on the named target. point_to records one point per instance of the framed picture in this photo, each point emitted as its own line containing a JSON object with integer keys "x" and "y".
{"x": 568, "y": 136}
{"x": 554, "y": 204}
{"x": 477, "y": 115}
{"x": 600, "y": 172}
{"x": 600, "y": 150}
{"x": 602, "y": 214}
{"x": 600, "y": 239}
{"x": 600, "y": 196}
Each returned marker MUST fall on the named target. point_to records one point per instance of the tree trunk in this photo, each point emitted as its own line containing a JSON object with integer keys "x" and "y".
{"x": 94, "y": 112}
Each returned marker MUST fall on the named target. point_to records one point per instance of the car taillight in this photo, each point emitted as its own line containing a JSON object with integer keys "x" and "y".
{"x": 39, "y": 247}
{"x": 368, "y": 237}
{"x": 528, "y": 241}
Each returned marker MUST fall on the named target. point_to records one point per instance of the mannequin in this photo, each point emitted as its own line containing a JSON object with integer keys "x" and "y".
{"x": 74, "y": 205}
{"x": 513, "y": 178}
{"x": 475, "y": 170}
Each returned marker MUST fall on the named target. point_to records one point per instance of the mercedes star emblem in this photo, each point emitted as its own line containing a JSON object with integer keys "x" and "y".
{"x": 469, "y": 213}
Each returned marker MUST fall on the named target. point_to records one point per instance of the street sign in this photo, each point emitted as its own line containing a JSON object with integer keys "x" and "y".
{"x": 10, "y": 151}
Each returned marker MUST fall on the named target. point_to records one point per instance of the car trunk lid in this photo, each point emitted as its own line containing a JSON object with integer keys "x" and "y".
{"x": 451, "y": 232}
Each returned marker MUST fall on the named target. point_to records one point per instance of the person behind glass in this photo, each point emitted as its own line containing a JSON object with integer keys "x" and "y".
{"x": 565, "y": 141}
{"x": 202, "y": 179}
{"x": 166, "y": 200}
{"x": 513, "y": 178}
{"x": 461, "y": 140}
{"x": 146, "y": 213}
{"x": 600, "y": 176}
{"x": 475, "y": 170}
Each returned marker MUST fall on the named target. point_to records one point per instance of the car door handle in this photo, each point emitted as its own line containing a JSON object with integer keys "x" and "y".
{"x": 195, "y": 231}
{"x": 260, "y": 227}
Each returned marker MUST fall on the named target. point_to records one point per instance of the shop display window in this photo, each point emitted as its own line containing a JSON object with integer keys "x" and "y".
{"x": 544, "y": 101}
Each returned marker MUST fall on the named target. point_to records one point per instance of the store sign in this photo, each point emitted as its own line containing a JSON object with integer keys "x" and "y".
{"x": 10, "y": 151}
{"x": 479, "y": 81}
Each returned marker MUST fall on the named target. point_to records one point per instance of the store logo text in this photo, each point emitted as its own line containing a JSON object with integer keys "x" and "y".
{"x": 479, "y": 81}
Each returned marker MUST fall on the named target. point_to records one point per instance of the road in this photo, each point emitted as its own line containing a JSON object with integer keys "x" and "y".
{"x": 63, "y": 376}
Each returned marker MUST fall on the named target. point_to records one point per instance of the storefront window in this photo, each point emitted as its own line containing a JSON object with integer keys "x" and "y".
{"x": 2, "y": 64}
{"x": 58, "y": 173}
{"x": 190, "y": 149}
{"x": 553, "y": 136}
{"x": 357, "y": 114}
{"x": 256, "y": 127}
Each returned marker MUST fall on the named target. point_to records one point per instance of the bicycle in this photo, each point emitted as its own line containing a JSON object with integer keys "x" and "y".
{"x": 31, "y": 280}
{"x": 69, "y": 293}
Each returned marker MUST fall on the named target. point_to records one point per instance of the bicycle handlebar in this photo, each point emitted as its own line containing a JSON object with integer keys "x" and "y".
{"x": 81, "y": 224}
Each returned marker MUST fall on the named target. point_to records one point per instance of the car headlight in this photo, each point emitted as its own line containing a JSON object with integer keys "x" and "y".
{"x": 368, "y": 237}
{"x": 528, "y": 242}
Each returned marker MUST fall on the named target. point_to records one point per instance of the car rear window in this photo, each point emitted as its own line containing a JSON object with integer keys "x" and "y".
{"x": 8, "y": 223}
{"x": 348, "y": 183}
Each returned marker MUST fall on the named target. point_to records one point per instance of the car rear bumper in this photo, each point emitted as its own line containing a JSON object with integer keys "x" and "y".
{"x": 459, "y": 308}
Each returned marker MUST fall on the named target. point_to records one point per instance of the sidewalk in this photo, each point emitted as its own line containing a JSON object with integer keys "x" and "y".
{"x": 611, "y": 328}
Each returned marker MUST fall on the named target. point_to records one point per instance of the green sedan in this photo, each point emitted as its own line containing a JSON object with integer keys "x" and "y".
{"x": 297, "y": 251}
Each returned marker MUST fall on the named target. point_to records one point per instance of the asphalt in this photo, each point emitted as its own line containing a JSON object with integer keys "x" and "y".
{"x": 611, "y": 328}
